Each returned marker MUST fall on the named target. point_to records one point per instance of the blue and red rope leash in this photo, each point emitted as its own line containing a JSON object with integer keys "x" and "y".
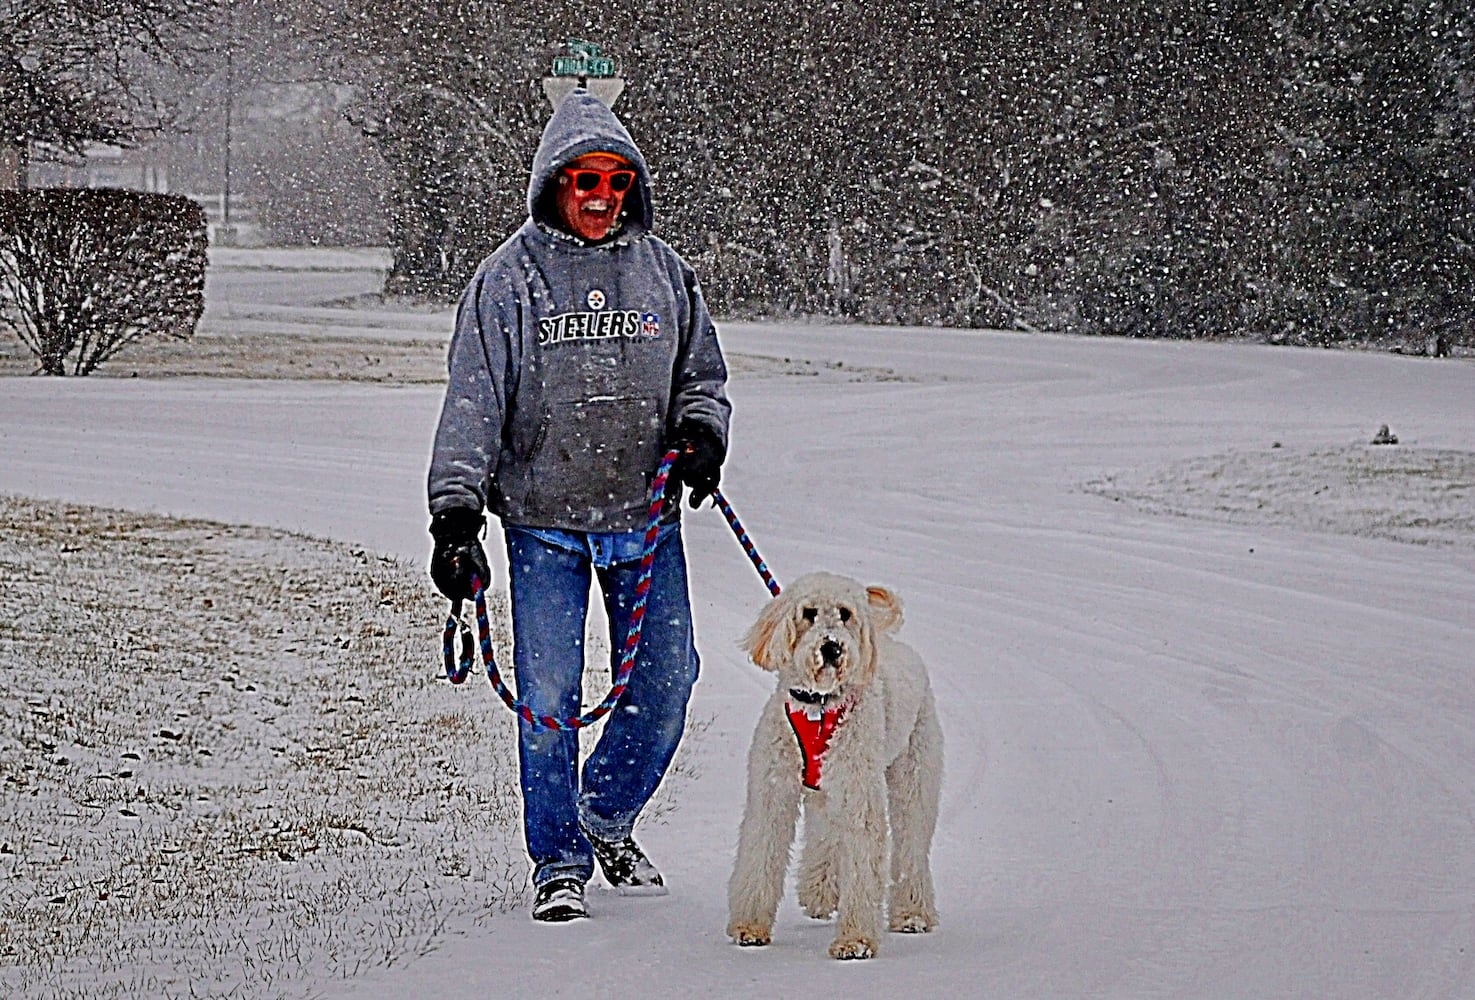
{"x": 745, "y": 541}
{"x": 458, "y": 667}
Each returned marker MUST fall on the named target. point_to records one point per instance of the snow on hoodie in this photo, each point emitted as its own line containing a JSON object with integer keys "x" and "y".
{"x": 572, "y": 364}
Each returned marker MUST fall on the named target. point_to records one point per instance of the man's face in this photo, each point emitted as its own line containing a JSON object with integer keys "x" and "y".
{"x": 591, "y": 190}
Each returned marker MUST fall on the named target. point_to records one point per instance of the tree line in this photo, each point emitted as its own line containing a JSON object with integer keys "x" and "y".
{"x": 1296, "y": 172}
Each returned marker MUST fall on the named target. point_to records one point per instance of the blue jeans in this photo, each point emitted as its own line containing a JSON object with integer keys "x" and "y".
{"x": 550, "y": 576}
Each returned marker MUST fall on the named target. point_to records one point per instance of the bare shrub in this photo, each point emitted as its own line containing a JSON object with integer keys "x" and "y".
{"x": 85, "y": 273}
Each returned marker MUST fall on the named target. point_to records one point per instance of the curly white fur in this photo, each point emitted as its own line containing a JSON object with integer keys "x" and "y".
{"x": 830, "y": 637}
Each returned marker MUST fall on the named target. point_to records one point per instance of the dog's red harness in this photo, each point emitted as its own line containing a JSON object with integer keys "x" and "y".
{"x": 813, "y": 726}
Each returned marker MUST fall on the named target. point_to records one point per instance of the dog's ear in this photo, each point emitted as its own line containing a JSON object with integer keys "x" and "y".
{"x": 885, "y": 609}
{"x": 771, "y": 639}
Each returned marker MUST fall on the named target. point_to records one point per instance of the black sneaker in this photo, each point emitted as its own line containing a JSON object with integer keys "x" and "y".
{"x": 626, "y": 868}
{"x": 559, "y": 899}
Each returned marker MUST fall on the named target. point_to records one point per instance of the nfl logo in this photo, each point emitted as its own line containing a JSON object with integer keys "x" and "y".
{"x": 650, "y": 324}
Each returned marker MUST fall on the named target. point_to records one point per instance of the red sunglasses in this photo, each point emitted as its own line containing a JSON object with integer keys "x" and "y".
{"x": 586, "y": 179}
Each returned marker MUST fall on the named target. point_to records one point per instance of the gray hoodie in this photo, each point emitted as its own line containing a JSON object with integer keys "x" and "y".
{"x": 572, "y": 364}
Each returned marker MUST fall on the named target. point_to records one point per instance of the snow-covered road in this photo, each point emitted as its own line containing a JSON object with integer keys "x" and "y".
{"x": 1185, "y": 758}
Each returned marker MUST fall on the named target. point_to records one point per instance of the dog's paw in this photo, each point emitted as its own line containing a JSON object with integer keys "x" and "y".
{"x": 913, "y": 923}
{"x": 749, "y": 935}
{"x": 852, "y": 947}
{"x": 817, "y": 909}
{"x": 818, "y": 900}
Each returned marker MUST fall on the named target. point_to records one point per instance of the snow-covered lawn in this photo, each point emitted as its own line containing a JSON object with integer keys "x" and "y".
{"x": 1203, "y": 657}
{"x": 231, "y": 764}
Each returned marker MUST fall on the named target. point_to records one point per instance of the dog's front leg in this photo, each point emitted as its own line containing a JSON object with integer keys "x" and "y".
{"x": 764, "y": 840}
{"x": 818, "y": 894}
{"x": 861, "y": 868}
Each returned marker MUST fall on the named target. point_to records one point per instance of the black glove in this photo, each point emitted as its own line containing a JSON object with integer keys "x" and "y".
{"x": 699, "y": 464}
{"x": 458, "y": 553}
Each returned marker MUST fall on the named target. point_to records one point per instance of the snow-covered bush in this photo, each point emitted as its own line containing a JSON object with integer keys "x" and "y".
{"x": 85, "y": 273}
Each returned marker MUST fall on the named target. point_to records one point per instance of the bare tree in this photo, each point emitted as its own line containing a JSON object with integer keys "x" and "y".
{"x": 79, "y": 71}
{"x": 446, "y": 95}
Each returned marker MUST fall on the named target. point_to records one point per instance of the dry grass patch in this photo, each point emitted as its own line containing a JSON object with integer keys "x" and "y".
{"x": 227, "y": 764}
{"x": 365, "y": 359}
{"x": 265, "y": 356}
{"x": 230, "y": 764}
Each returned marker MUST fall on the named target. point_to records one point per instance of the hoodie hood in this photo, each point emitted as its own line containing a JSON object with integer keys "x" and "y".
{"x": 583, "y": 124}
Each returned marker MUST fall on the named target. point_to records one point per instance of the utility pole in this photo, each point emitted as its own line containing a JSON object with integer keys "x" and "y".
{"x": 226, "y": 236}
{"x": 15, "y": 154}
{"x": 12, "y": 165}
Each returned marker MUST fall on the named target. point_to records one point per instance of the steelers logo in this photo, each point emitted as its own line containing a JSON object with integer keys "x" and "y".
{"x": 596, "y": 299}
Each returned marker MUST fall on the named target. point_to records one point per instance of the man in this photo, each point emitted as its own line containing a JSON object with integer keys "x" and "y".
{"x": 583, "y": 350}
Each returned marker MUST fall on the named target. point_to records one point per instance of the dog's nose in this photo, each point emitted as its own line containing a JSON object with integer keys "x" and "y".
{"x": 830, "y": 650}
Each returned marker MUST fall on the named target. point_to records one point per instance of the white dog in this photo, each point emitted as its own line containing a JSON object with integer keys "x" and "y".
{"x": 851, "y": 730}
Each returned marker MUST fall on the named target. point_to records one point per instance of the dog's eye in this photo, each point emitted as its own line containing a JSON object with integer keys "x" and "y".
{"x": 845, "y": 614}
{"x": 810, "y": 614}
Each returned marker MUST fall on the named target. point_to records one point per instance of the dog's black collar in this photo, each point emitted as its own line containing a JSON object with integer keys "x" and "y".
{"x": 808, "y": 697}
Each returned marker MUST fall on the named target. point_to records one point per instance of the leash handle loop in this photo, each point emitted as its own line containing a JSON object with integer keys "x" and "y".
{"x": 460, "y": 645}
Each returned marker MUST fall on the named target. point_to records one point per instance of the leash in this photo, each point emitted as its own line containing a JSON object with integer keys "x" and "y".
{"x": 745, "y": 541}
{"x": 456, "y": 673}
{"x": 458, "y": 664}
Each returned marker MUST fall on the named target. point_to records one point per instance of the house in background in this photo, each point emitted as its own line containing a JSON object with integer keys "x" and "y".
{"x": 144, "y": 168}
{"x": 285, "y": 167}
{"x": 103, "y": 166}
